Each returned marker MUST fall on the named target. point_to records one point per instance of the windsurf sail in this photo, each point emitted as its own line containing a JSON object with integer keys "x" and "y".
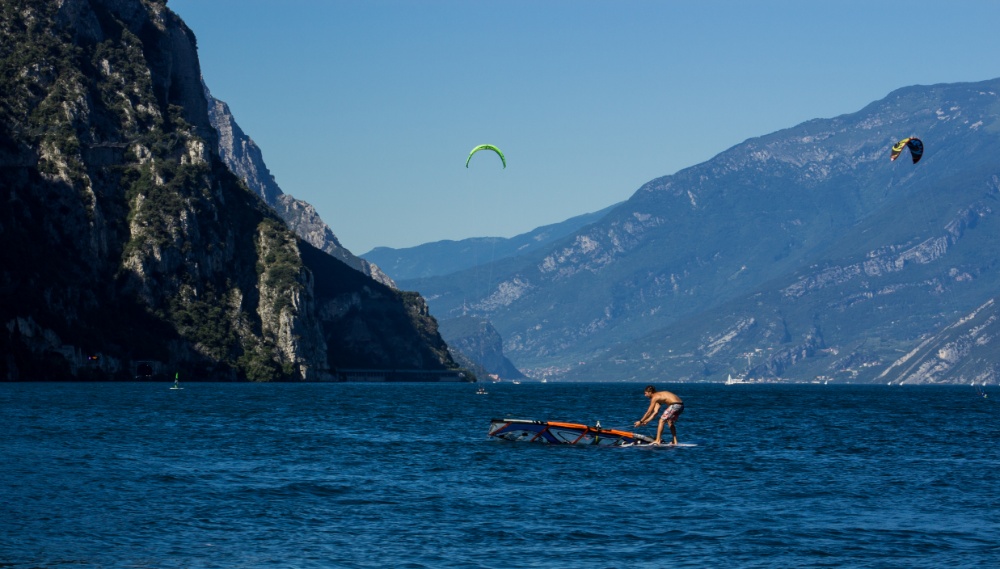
{"x": 558, "y": 433}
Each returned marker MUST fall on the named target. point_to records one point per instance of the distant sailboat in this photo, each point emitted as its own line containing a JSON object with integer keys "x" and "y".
{"x": 740, "y": 378}
{"x": 481, "y": 391}
{"x": 177, "y": 381}
{"x": 734, "y": 380}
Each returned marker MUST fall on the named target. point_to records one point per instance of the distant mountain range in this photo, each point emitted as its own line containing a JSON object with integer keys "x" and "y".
{"x": 445, "y": 257}
{"x": 805, "y": 252}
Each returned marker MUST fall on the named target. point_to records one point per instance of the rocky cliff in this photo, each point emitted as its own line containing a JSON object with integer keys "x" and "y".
{"x": 130, "y": 248}
{"x": 477, "y": 345}
{"x": 244, "y": 158}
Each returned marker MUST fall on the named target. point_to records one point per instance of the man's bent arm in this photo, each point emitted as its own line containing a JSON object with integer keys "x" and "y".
{"x": 650, "y": 413}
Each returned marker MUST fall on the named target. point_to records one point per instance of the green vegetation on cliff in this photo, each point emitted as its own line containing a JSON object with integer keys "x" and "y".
{"x": 128, "y": 240}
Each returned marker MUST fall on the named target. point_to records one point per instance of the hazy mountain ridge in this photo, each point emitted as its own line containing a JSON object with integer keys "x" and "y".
{"x": 445, "y": 257}
{"x": 127, "y": 239}
{"x": 801, "y": 210}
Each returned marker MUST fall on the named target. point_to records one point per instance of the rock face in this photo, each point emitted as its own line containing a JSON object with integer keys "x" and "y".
{"x": 244, "y": 158}
{"x": 477, "y": 345}
{"x": 131, "y": 249}
{"x": 806, "y": 248}
{"x": 965, "y": 351}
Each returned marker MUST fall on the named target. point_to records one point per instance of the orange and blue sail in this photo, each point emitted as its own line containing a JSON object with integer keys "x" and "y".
{"x": 558, "y": 433}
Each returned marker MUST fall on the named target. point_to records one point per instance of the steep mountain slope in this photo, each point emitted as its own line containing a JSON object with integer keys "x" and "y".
{"x": 445, "y": 257}
{"x": 476, "y": 345}
{"x": 477, "y": 348}
{"x": 966, "y": 351}
{"x": 807, "y": 247}
{"x": 130, "y": 247}
{"x": 244, "y": 158}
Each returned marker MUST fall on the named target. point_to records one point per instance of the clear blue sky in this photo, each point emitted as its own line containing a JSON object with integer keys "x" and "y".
{"x": 368, "y": 108}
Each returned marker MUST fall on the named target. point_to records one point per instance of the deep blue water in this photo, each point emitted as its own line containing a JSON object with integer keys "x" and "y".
{"x": 402, "y": 475}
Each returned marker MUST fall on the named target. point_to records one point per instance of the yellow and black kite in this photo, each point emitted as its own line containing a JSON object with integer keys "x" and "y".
{"x": 913, "y": 143}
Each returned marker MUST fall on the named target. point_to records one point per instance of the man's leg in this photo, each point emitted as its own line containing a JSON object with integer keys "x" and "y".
{"x": 673, "y": 431}
{"x": 659, "y": 432}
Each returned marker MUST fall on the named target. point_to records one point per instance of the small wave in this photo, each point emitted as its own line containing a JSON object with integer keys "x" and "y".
{"x": 164, "y": 478}
{"x": 366, "y": 502}
{"x": 298, "y": 489}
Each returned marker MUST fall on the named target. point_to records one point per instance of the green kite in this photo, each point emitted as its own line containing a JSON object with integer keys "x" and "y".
{"x": 486, "y": 147}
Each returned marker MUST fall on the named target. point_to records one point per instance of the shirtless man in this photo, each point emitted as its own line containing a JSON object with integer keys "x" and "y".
{"x": 674, "y": 409}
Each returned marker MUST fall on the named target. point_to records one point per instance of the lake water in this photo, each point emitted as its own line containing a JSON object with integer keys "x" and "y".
{"x": 403, "y": 475}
